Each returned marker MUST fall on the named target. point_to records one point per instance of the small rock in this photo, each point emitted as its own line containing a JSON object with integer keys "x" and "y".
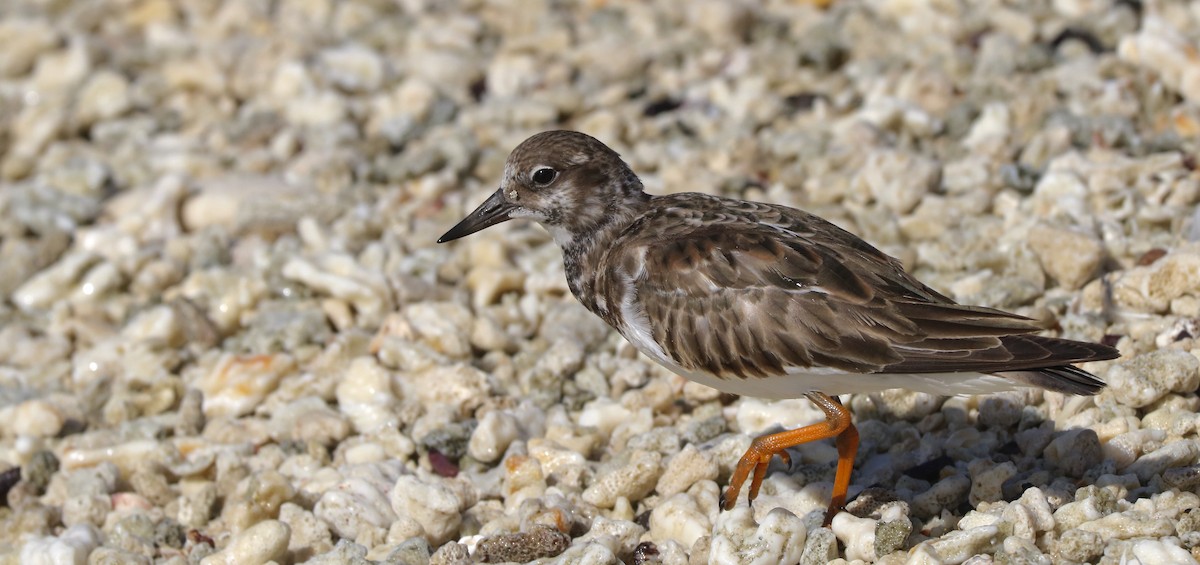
{"x": 591, "y": 553}
{"x": 412, "y": 551}
{"x": 1161, "y": 47}
{"x": 73, "y": 546}
{"x": 104, "y": 96}
{"x": 1079, "y": 545}
{"x": 679, "y": 518}
{"x": 857, "y": 534}
{"x": 1090, "y": 505}
{"x": 436, "y": 504}
{"x": 897, "y": 179}
{"x": 538, "y": 543}
{"x": 257, "y": 498}
{"x": 41, "y": 466}
{"x": 1174, "y": 454}
{"x": 1074, "y": 452}
{"x": 987, "y": 480}
{"x": 364, "y": 395}
{"x": 632, "y": 481}
{"x": 1182, "y": 478}
{"x": 152, "y": 484}
{"x": 947, "y": 493}
{"x": 1160, "y": 551}
{"x": 820, "y": 548}
{"x": 238, "y": 384}
{"x": 1145, "y": 379}
{"x": 113, "y": 556}
{"x": 353, "y": 67}
{"x": 496, "y": 431}
{"x": 686, "y": 468}
{"x": 22, "y": 41}
{"x": 738, "y": 539}
{"x": 622, "y": 536}
{"x": 892, "y": 535}
{"x": 261, "y": 543}
{"x": 1129, "y": 525}
{"x": 450, "y": 440}
{"x": 358, "y": 507}
{"x": 957, "y": 546}
{"x": 310, "y": 535}
{"x": 169, "y": 533}
{"x": 452, "y": 553}
{"x": 1067, "y": 256}
{"x": 37, "y": 417}
{"x": 309, "y": 419}
{"x": 345, "y": 552}
{"x": 1020, "y": 550}
{"x": 1001, "y": 410}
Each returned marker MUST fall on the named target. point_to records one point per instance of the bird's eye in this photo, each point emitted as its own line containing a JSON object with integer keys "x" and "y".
{"x": 544, "y": 175}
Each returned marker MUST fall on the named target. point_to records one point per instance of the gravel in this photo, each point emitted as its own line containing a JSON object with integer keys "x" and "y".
{"x": 227, "y": 334}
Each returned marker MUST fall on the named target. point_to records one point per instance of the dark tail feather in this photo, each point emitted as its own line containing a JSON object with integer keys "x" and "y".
{"x": 1066, "y": 379}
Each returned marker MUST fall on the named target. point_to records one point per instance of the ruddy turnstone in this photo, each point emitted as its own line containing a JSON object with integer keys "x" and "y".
{"x": 764, "y": 300}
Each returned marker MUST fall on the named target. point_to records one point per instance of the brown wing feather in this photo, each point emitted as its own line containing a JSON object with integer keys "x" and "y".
{"x": 740, "y": 299}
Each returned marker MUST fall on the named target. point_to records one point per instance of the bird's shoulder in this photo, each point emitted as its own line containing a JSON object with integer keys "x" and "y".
{"x": 697, "y": 243}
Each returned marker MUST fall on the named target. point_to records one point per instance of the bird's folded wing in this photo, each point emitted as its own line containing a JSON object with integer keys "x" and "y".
{"x": 746, "y": 299}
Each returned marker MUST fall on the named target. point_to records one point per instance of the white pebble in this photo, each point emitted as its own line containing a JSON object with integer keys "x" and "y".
{"x": 621, "y": 536}
{"x": 1161, "y": 47}
{"x": 1124, "y": 449}
{"x": 72, "y": 547}
{"x": 353, "y": 67}
{"x": 987, "y": 480}
{"x": 604, "y": 414}
{"x": 53, "y": 283}
{"x": 957, "y": 546}
{"x": 342, "y": 277}
{"x": 1145, "y": 379}
{"x": 434, "y": 503}
{"x": 632, "y": 481}
{"x": 34, "y": 418}
{"x": 127, "y": 456}
{"x": 496, "y": 431}
{"x": 358, "y": 505}
{"x": 1069, "y": 257}
{"x": 264, "y": 542}
{"x": 365, "y": 396}
{"x": 756, "y": 414}
{"x": 738, "y": 539}
{"x": 680, "y": 519}
{"x": 1129, "y": 525}
{"x": 857, "y": 534}
{"x": 443, "y": 326}
{"x": 237, "y": 384}
{"x": 1175, "y": 454}
{"x": 1161, "y": 551}
{"x": 104, "y": 96}
{"x": 22, "y": 41}
{"x": 897, "y": 179}
{"x": 686, "y": 468}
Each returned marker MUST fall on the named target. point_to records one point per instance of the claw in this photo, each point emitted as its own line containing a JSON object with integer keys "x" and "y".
{"x": 758, "y": 457}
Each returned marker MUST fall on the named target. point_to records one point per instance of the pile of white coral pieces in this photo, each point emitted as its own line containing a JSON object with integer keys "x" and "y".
{"x": 227, "y": 334}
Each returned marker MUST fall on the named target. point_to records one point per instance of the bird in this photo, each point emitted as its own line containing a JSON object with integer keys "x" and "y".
{"x": 764, "y": 300}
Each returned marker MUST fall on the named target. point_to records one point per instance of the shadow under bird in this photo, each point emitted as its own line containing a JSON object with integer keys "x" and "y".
{"x": 764, "y": 300}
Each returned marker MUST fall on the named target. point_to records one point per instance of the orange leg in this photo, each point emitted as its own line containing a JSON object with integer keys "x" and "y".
{"x": 758, "y": 457}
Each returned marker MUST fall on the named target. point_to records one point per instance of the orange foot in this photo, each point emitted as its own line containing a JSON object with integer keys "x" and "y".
{"x": 758, "y": 457}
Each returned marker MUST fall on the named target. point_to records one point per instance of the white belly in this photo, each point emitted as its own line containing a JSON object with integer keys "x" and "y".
{"x": 801, "y": 380}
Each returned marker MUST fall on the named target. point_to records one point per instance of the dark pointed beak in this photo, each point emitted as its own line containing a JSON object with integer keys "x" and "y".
{"x": 493, "y": 211}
